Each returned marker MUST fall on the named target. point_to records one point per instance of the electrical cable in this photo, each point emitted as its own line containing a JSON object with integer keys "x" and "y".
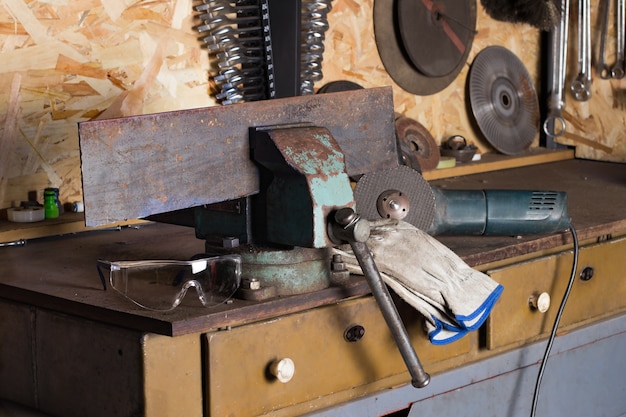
{"x": 555, "y": 327}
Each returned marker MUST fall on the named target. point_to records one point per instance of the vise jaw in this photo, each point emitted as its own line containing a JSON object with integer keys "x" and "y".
{"x": 283, "y": 230}
{"x": 307, "y": 182}
{"x": 303, "y": 180}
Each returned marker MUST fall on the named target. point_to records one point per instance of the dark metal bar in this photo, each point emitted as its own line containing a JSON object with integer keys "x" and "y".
{"x": 348, "y": 226}
{"x": 419, "y": 377}
{"x": 284, "y": 22}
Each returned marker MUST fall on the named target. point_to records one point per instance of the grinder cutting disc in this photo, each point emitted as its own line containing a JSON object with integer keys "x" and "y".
{"x": 503, "y": 100}
{"x": 416, "y": 144}
{"x": 400, "y": 193}
{"x": 424, "y": 45}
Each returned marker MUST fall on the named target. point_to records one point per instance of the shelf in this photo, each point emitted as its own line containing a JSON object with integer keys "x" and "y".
{"x": 67, "y": 223}
{"x": 494, "y": 162}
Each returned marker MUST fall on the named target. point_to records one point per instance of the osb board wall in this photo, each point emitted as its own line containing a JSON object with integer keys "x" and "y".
{"x": 352, "y": 54}
{"x": 65, "y": 61}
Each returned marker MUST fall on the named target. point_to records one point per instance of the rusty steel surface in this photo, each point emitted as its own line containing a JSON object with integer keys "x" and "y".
{"x": 138, "y": 166}
{"x": 309, "y": 181}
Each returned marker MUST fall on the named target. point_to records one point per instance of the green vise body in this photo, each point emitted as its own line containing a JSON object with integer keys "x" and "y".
{"x": 303, "y": 180}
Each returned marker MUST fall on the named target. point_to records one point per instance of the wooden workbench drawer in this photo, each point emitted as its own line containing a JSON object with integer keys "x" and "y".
{"x": 514, "y": 321}
{"x": 239, "y": 382}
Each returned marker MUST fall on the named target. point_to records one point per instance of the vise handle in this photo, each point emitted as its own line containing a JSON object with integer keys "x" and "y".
{"x": 350, "y": 227}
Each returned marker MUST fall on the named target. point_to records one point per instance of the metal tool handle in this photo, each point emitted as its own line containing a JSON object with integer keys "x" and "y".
{"x": 554, "y": 125}
{"x": 617, "y": 71}
{"x": 581, "y": 86}
{"x": 603, "y": 69}
{"x": 351, "y": 228}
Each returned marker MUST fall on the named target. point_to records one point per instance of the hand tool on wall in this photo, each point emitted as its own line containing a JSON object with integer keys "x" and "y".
{"x": 603, "y": 69}
{"x": 615, "y": 71}
{"x": 581, "y": 86}
{"x": 554, "y": 125}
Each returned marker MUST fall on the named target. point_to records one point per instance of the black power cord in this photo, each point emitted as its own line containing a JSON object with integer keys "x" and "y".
{"x": 555, "y": 327}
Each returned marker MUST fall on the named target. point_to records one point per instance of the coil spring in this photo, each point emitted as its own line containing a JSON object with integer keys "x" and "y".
{"x": 314, "y": 24}
{"x": 233, "y": 35}
{"x": 232, "y": 32}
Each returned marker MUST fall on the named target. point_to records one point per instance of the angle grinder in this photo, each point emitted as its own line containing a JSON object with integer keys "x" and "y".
{"x": 402, "y": 193}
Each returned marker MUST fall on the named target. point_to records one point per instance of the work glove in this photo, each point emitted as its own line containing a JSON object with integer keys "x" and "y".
{"x": 453, "y": 297}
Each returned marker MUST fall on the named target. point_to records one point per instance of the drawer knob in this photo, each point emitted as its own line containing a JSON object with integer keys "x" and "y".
{"x": 283, "y": 369}
{"x": 540, "y": 302}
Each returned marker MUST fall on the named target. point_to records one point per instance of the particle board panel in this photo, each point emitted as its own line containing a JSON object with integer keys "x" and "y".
{"x": 81, "y": 59}
{"x": 74, "y": 61}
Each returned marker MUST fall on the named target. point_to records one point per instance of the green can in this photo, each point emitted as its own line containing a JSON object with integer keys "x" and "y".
{"x": 50, "y": 206}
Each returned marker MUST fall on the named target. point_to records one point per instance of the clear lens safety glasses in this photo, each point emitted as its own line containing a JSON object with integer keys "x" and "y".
{"x": 161, "y": 285}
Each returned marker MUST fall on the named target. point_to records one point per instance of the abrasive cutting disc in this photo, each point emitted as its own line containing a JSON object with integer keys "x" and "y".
{"x": 416, "y": 144}
{"x": 399, "y": 192}
{"x": 424, "y": 44}
{"x": 503, "y": 100}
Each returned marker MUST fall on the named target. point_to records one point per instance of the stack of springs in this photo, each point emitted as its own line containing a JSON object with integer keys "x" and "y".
{"x": 314, "y": 24}
{"x": 236, "y": 35}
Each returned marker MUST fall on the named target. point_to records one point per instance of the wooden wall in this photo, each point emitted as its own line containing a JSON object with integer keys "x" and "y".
{"x": 65, "y": 61}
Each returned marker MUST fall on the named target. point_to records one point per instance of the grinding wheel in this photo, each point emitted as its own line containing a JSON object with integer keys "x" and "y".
{"x": 417, "y": 145}
{"x": 503, "y": 100}
{"x": 424, "y": 44}
{"x": 399, "y": 193}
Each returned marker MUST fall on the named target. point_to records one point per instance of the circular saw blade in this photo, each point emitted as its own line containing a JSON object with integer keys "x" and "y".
{"x": 375, "y": 186}
{"x": 503, "y": 100}
{"x": 417, "y": 143}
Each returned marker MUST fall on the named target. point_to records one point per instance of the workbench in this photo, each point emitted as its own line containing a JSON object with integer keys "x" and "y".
{"x": 69, "y": 348}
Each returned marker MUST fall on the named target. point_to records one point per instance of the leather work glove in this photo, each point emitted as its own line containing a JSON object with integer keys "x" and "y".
{"x": 453, "y": 297}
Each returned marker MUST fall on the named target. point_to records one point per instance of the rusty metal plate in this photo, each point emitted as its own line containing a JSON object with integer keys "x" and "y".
{"x": 138, "y": 166}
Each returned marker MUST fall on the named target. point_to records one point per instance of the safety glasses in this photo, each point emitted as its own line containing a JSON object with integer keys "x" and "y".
{"x": 161, "y": 285}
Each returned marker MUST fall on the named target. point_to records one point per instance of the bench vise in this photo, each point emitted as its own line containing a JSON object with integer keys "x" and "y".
{"x": 270, "y": 178}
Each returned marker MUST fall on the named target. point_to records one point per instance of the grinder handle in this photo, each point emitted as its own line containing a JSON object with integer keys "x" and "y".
{"x": 350, "y": 227}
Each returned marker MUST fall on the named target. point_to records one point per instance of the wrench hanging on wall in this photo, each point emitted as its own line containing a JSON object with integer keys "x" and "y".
{"x": 581, "y": 86}
{"x": 618, "y": 69}
{"x": 554, "y": 125}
